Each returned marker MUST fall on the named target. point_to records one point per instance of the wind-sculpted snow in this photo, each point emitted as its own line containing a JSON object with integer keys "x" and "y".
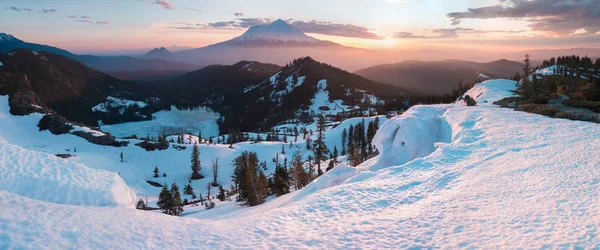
{"x": 491, "y": 90}
{"x": 46, "y": 177}
{"x": 411, "y": 135}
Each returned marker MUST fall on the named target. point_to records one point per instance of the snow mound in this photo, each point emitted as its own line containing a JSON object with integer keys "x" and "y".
{"x": 411, "y": 135}
{"x": 333, "y": 177}
{"x": 46, "y": 177}
{"x": 492, "y": 90}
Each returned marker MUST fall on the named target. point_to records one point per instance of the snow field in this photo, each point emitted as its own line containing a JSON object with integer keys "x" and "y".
{"x": 504, "y": 179}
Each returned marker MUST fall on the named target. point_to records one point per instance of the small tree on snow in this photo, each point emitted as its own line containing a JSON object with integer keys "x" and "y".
{"x": 141, "y": 205}
{"x": 155, "y": 172}
{"x": 196, "y": 163}
{"x": 121, "y": 155}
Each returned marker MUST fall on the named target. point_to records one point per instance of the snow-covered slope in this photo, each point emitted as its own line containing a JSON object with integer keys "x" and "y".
{"x": 504, "y": 179}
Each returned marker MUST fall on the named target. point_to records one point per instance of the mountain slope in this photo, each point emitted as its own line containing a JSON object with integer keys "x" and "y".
{"x": 9, "y": 42}
{"x": 438, "y": 77}
{"x": 302, "y": 90}
{"x": 64, "y": 85}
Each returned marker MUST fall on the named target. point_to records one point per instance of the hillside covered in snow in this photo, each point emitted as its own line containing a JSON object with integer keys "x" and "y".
{"x": 447, "y": 176}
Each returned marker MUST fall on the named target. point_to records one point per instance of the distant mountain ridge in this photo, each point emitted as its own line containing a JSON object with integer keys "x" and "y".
{"x": 102, "y": 63}
{"x": 438, "y": 77}
{"x": 159, "y": 53}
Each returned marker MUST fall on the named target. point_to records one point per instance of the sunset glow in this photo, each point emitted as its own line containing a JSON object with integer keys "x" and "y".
{"x": 110, "y": 27}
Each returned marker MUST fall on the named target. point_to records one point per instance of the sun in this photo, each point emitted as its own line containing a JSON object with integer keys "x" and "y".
{"x": 387, "y": 42}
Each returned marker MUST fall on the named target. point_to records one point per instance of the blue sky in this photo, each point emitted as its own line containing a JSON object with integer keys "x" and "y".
{"x": 91, "y": 26}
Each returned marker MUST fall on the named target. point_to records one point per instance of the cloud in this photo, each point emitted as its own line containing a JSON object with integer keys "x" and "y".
{"x": 192, "y": 9}
{"x": 44, "y": 11}
{"x": 397, "y": 1}
{"x": 239, "y": 14}
{"x": 333, "y": 29}
{"x": 316, "y": 27}
{"x": 556, "y": 16}
{"x": 164, "y": 3}
{"x": 92, "y": 22}
{"x": 78, "y": 17}
{"x": 450, "y": 33}
{"x": 17, "y": 9}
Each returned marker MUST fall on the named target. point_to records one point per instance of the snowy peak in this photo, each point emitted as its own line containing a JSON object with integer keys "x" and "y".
{"x": 278, "y": 32}
{"x": 7, "y": 38}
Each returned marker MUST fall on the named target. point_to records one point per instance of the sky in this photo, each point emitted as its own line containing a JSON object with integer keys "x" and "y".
{"x": 131, "y": 26}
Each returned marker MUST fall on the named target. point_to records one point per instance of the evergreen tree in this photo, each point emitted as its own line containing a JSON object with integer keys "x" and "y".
{"x": 319, "y": 147}
{"x": 155, "y": 172}
{"x": 250, "y": 180}
{"x": 196, "y": 163}
{"x": 344, "y": 138}
{"x": 281, "y": 180}
{"x": 221, "y": 196}
{"x": 165, "y": 200}
{"x": 177, "y": 205}
{"x": 188, "y": 189}
{"x": 335, "y": 153}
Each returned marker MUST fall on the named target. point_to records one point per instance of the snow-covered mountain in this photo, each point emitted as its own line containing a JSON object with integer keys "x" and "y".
{"x": 7, "y": 37}
{"x": 277, "y": 33}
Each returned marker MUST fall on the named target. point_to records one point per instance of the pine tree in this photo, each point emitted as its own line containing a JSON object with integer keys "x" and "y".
{"x": 335, "y": 153}
{"x": 344, "y": 138}
{"x": 177, "y": 205}
{"x": 155, "y": 172}
{"x": 355, "y": 157}
{"x": 250, "y": 180}
{"x": 281, "y": 180}
{"x": 319, "y": 147}
{"x": 188, "y": 189}
{"x": 196, "y": 163}
{"x": 221, "y": 196}
{"x": 165, "y": 200}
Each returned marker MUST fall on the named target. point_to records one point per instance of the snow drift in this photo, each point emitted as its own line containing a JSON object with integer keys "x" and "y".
{"x": 46, "y": 177}
{"x": 411, "y": 135}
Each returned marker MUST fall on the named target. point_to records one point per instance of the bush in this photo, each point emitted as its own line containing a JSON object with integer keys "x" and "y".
{"x": 540, "y": 109}
{"x": 591, "y": 105}
{"x": 575, "y": 115}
